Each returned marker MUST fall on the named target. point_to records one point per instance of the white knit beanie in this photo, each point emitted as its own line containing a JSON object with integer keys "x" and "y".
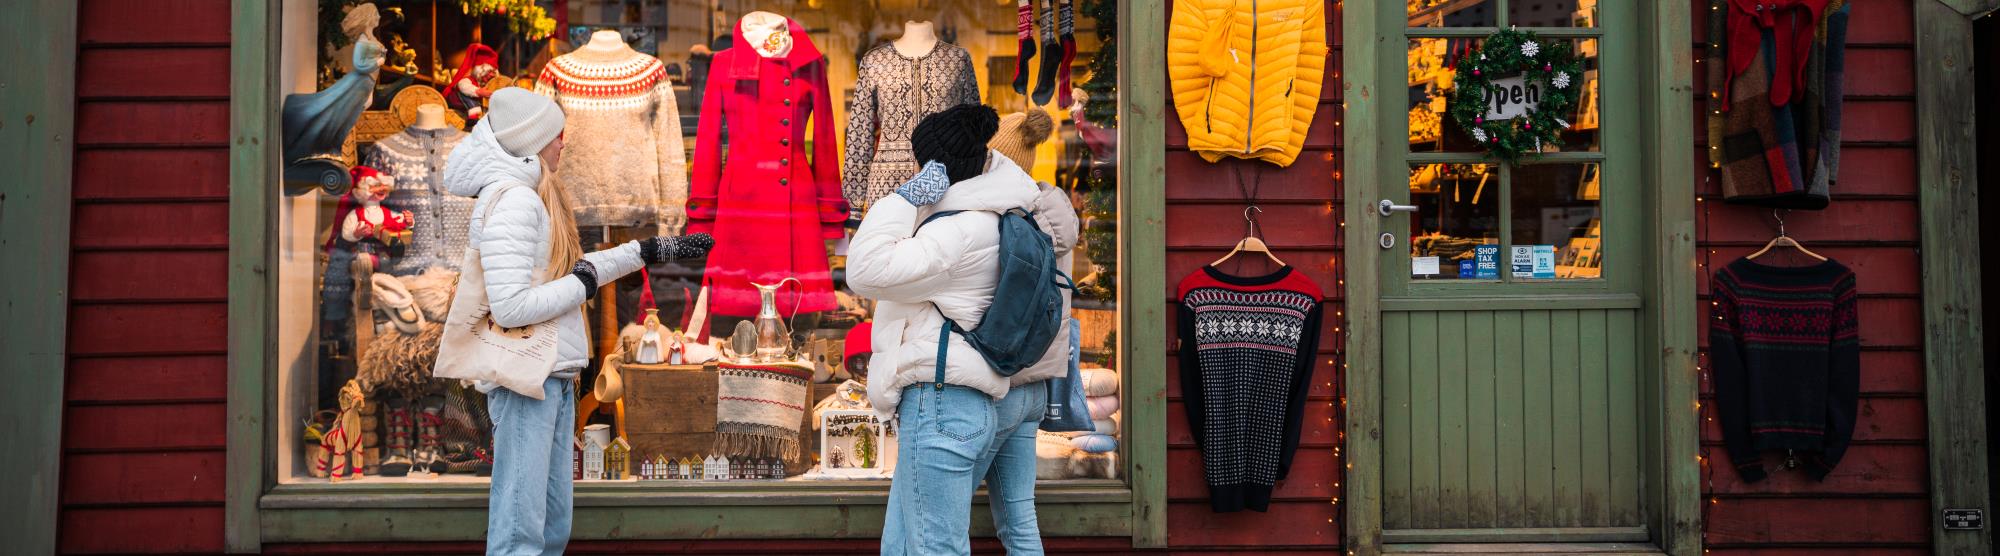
{"x": 523, "y": 121}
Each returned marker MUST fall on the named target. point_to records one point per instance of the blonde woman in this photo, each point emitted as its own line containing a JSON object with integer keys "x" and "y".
{"x": 536, "y": 271}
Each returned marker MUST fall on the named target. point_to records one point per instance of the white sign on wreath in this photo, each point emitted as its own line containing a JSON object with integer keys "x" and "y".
{"x": 1512, "y": 97}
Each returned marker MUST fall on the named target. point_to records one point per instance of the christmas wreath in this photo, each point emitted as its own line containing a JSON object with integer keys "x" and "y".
{"x": 1550, "y": 71}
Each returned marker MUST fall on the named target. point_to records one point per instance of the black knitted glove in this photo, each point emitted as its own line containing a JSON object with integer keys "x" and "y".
{"x": 656, "y": 250}
{"x": 586, "y": 273}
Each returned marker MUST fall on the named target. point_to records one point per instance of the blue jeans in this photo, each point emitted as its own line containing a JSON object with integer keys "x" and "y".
{"x": 528, "y": 511}
{"x": 944, "y": 435}
{"x": 1009, "y": 468}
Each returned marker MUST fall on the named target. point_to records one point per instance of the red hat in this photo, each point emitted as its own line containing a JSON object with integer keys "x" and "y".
{"x": 474, "y": 56}
{"x": 859, "y": 340}
{"x": 363, "y": 172}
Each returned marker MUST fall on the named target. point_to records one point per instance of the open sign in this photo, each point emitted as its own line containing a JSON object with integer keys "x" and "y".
{"x": 1512, "y": 97}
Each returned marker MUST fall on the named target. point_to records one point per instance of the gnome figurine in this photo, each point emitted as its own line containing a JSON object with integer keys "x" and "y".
{"x": 370, "y": 228}
{"x": 467, "y": 90}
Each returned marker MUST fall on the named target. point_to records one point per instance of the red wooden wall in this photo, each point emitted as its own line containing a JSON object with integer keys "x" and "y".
{"x": 142, "y": 449}
{"x": 1877, "y": 498}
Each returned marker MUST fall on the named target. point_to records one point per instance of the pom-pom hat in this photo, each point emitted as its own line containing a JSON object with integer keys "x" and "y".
{"x": 956, "y": 138}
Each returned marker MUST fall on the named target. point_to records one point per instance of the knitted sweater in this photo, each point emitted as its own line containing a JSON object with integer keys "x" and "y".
{"x": 1784, "y": 357}
{"x": 892, "y": 94}
{"x": 416, "y": 158}
{"x": 1246, "y": 356}
{"x": 623, "y": 163}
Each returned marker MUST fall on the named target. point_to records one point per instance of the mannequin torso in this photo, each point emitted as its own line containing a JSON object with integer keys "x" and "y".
{"x": 919, "y": 38}
{"x": 430, "y": 116}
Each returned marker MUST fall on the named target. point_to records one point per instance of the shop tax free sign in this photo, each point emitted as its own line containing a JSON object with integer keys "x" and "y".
{"x": 1512, "y": 97}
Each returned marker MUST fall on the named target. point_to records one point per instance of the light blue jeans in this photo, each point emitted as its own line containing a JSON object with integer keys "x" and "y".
{"x": 528, "y": 511}
{"x": 1009, "y": 468}
{"x": 945, "y": 434}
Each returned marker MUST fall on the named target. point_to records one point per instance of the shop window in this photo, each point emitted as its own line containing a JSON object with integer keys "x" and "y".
{"x": 658, "y": 142}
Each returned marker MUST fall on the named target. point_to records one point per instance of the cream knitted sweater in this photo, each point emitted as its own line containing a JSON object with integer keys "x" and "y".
{"x": 623, "y": 161}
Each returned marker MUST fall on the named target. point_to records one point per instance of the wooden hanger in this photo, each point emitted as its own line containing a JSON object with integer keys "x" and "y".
{"x": 1784, "y": 241}
{"x": 1250, "y": 242}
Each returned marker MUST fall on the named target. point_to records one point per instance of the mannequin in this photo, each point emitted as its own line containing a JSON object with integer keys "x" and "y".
{"x": 607, "y": 40}
{"x": 430, "y": 116}
{"x": 624, "y": 161}
{"x": 919, "y": 37}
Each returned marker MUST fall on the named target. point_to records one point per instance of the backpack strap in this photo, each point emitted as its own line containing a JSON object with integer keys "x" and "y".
{"x": 944, "y": 347}
{"x": 937, "y": 215}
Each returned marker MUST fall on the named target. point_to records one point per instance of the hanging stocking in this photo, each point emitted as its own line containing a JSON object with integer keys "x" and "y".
{"x": 1045, "y": 80}
{"x": 1024, "y": 31}
{"x": 1066, "y": 29}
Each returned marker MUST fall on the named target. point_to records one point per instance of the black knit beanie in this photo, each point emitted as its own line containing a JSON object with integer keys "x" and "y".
{"x": 957, "y": 138}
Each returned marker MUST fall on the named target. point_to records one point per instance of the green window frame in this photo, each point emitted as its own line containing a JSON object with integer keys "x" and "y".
{"x": 258, "y": 510}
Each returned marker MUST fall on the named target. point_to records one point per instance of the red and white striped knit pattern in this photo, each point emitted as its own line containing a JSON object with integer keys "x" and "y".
{"x": 602, "y": 86}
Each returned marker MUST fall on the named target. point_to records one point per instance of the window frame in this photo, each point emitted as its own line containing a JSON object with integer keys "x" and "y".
{"x": 257, "y": 509}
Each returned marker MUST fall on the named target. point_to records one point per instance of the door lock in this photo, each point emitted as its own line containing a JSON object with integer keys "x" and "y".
{"x": 1387, "y": 240}
{"x": 1387, "y": 207}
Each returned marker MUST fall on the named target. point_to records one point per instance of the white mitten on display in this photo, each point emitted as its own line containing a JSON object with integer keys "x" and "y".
{"x": 1100, "y": 382}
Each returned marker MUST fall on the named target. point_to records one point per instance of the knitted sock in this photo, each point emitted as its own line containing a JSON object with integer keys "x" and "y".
{"x": 1024, "y": 31}
{"x": 1066, "y": 28}
{"x": 1045, "y": 80}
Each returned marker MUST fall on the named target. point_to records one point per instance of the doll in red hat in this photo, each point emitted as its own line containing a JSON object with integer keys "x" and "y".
{"x": 365, "y": 224}
{"x": 466, "y": 92}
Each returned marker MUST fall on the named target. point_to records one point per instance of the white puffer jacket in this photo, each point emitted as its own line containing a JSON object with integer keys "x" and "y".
{"x": 953, "y": 263}
{"x": 513, "y": 245}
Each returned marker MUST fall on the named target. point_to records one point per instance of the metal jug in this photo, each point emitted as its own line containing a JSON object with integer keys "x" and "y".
{"x": 774, "y": 338}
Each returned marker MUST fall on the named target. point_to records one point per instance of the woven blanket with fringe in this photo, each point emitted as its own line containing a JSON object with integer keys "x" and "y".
{"x": 759, "y": 409}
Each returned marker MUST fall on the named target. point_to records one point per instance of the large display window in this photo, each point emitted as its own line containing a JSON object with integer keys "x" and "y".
{"x": 772, "y": 126}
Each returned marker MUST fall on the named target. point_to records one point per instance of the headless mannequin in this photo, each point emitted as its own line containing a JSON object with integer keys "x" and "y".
{"x": 607, "y": 41}
{"x": 919, "y": 38}
{"x": 429, "y": 117}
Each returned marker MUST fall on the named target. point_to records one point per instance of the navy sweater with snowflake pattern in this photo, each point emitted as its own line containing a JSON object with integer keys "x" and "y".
{"x": 1246, "y": 357}
{"x": 1784, "y": 353}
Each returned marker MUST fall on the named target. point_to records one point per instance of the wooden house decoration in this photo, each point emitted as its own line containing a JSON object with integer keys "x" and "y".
{"x": 617, "y": 460}
{"x": 850, "y": 443}
{"x": 645, "y": 469}
{"x": 593, "y": 460}
{"x": 576, "y": 460}
{"x": 716, "y": 468}
{"x": 689, "y": 468}
{"x": 738, "y": 467}
{"x": 663, "y": 468}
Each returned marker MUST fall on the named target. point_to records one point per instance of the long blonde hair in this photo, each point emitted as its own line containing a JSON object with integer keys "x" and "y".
{"x": 564, "y": 247}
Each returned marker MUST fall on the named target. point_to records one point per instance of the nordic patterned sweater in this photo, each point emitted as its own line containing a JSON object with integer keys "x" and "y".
{"x": 624, "y": 161}
{"x": 1246, "y": 355}
{"x": 1784, "y": 357}
{"x": 416, "y": 158}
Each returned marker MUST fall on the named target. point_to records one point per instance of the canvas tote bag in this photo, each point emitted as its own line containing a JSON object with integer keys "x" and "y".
{"x": 476, "y": 348}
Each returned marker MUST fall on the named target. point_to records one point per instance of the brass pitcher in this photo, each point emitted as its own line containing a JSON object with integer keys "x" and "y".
{"x": 774, "y": 337}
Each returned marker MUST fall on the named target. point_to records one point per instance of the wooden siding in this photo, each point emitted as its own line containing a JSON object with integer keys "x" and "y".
{"x": 1301, "y": 219}
{"x": 1876, "y": 500}
{"x": 145, "y": 383}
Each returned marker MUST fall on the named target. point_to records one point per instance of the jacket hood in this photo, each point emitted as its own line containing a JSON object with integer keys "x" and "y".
{"x": 745, "y": 63}
{"x": 1002, "y": 187}
{"x": 478, "y": 162}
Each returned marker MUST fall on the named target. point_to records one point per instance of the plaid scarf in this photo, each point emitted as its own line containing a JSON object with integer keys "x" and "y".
{"x": 1781, "y": 153}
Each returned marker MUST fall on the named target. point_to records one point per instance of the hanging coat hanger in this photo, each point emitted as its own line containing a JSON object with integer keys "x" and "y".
{"x": 1250, "y": 242}
{"x": 1783, "y": 241}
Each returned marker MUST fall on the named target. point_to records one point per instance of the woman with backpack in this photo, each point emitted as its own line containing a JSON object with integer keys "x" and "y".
{"x": 535, "y": 271}
{"x": 922, "y": 273}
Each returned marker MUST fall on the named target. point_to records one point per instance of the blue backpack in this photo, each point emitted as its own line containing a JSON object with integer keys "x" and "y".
{"x": 1027, "y": 310}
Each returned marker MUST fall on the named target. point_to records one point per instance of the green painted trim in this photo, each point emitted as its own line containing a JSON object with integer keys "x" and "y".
{"x": 1973, "y": 9}
{"x": 1142, "y": 69}
{"x": 1513, "y": 302}
{"x": 253, "y": 173}
{"x": 426, "y": 522}
{"x": 1947, "y": 196}
{"x": 325, "y": 496}
{"x": 37, "y": 133}
{"x": 1517, "y": 535}
{"x": 1665, "y": 95}
{"x": 1366, "y": 52}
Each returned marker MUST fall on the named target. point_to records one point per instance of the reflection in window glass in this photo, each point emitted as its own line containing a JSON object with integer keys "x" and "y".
{"x": 1457, "y": 223}
{"x": 1451, "y": 13}
{"x": 778, "y": 155}
{"x": 1558, "y": 217}
{"x": 1552, "y": 13}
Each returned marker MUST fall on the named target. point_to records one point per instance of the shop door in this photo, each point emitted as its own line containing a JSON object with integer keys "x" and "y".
{"x": 1508, "y": 294}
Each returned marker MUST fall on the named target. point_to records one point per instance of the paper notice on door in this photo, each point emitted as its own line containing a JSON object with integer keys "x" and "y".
{"x": 1521, "y": 261}
{"x": 1545, "y": 261}
{"x": 1423, "y": 266}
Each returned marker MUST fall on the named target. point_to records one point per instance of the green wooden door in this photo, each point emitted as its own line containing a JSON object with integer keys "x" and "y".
{"x": 1510, "y": 396}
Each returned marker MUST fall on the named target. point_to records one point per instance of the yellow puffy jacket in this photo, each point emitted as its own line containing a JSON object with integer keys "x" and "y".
{"x": 1246, "y": 75}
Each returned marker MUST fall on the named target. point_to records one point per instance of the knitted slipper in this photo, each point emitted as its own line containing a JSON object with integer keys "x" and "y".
{"x": 395, "y": 299}
{"x": 429, "y": 456}
{"x": 1045, "y": 80}
{"x": 1024, "y": 31}
{"x": 396, "y": 460}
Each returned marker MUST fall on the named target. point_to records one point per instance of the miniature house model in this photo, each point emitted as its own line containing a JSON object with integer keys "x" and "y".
{"x": 593, "y": 460}
{"x": 617, "y": 460}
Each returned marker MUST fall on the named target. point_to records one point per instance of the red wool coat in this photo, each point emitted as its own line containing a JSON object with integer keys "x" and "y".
{"x": 770, "y": 203}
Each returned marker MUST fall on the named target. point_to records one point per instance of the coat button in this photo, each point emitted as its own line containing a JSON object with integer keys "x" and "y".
{"x": 784, "y": 181}
{"x": 785, "y": 142}
{"x": 788, "y": 102}
{"x": 784, "y": 162}
{"x": 788, "y": 81}
{"x": 784, "y": 121}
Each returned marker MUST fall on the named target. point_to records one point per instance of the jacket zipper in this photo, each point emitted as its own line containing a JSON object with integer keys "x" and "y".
{"x": 1250, "y": 127}
{"x": 1209, "y": 107}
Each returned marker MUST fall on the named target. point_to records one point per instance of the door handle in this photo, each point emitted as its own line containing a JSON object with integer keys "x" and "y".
{"x": 1387, "y": 207}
